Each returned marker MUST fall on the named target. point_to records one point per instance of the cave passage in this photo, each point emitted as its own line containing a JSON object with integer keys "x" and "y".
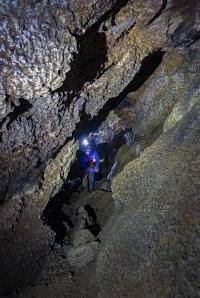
{"x": 53, "y": 215}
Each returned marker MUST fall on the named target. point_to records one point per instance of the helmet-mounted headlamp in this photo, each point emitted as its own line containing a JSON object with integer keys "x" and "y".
{"x": 85, "y": 142}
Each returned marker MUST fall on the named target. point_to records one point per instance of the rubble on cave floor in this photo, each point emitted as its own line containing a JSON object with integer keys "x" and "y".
{"x": 89, "y": 213}
{"x": 83, "y": 215}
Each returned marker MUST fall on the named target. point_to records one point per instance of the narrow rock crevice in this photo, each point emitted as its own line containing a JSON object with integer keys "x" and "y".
{"x": 17, "y": 110}
{"x": 87, "y": 63}
{"x": 164, "y": 5}
{"x": 195, "y": 38}
{"x": 112, "y": 12}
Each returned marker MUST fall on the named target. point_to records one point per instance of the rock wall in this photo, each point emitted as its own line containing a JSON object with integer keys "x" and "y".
{"x": 151, "y": 242}
{"x": 25, "y": 240}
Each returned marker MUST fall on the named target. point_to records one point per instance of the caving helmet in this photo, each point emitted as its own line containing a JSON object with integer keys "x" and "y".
{"x": 85, "y": 146}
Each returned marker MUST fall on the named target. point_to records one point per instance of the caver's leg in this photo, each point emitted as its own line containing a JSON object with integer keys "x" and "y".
{"x": 91, "y": 181}
{"x": 85, "y": 182}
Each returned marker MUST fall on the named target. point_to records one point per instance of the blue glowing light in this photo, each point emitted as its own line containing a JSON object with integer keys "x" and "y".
{"x": 85, "y": 142}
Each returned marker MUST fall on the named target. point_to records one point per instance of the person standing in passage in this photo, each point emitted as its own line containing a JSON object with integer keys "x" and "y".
{"x": 90, "y": 165}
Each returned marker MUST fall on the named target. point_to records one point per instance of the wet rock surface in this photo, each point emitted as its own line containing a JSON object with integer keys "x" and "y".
{"x": 129, "y": 72}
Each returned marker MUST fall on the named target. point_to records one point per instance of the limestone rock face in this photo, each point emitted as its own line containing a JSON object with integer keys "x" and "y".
{"x": 38, "y": 47}
{"x": 166, "y": 96}
{"x": 189, "y": 97}
{"x": 153, "y": 250}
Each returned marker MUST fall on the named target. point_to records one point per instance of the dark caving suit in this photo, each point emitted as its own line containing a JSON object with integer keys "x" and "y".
{"x": 90, "y": 165}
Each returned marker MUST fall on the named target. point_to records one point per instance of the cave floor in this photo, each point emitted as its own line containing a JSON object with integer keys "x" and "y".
{"x": 68, "y": 270}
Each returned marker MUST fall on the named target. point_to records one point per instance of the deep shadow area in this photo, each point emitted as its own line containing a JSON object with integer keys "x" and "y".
{"x": 87, "y": 63}
{"x": 95, "y": 227}
{"x": 53, "y": 215}
{"x": 164, "y": 5}
{"x": 23, "y": 107}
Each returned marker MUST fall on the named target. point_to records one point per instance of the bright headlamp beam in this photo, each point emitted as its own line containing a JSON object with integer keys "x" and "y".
{"x": 85, "y": 142}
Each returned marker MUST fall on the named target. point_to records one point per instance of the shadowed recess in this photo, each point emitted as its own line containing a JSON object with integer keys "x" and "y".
{"x": 24, "y": 106}
{"x": 92, "y": 54}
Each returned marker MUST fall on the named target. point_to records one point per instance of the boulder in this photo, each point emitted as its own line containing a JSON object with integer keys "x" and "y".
{"x": 81, "y": 237}
{"x": 83, "y": 255}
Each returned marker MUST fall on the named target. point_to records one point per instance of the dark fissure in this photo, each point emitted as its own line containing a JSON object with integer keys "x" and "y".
{"x": 164, "y": 5}
{"x": 23, "y": 106}
{"x": 87, "y": 64}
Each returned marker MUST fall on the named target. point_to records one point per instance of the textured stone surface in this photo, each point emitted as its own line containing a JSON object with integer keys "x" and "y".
{"x": 151, "y": 243}
{"x": 156, "y": 98}
{"x": 82, "y": 237}
{"x": 129, "y": 41}
{"x": 25, "y": 240}
{"x": 37, "y": 47}
{"x": 190, "y": 97}
{"x": 38, "y": 43}
{"x": 65, "y": 286}
{"x": 184, "y": 23}
{"x": 33, "y": 64}
{"x": 83, "y": 255}
{"x": 170, "y": 92}
{"x": 68, "y": 268}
